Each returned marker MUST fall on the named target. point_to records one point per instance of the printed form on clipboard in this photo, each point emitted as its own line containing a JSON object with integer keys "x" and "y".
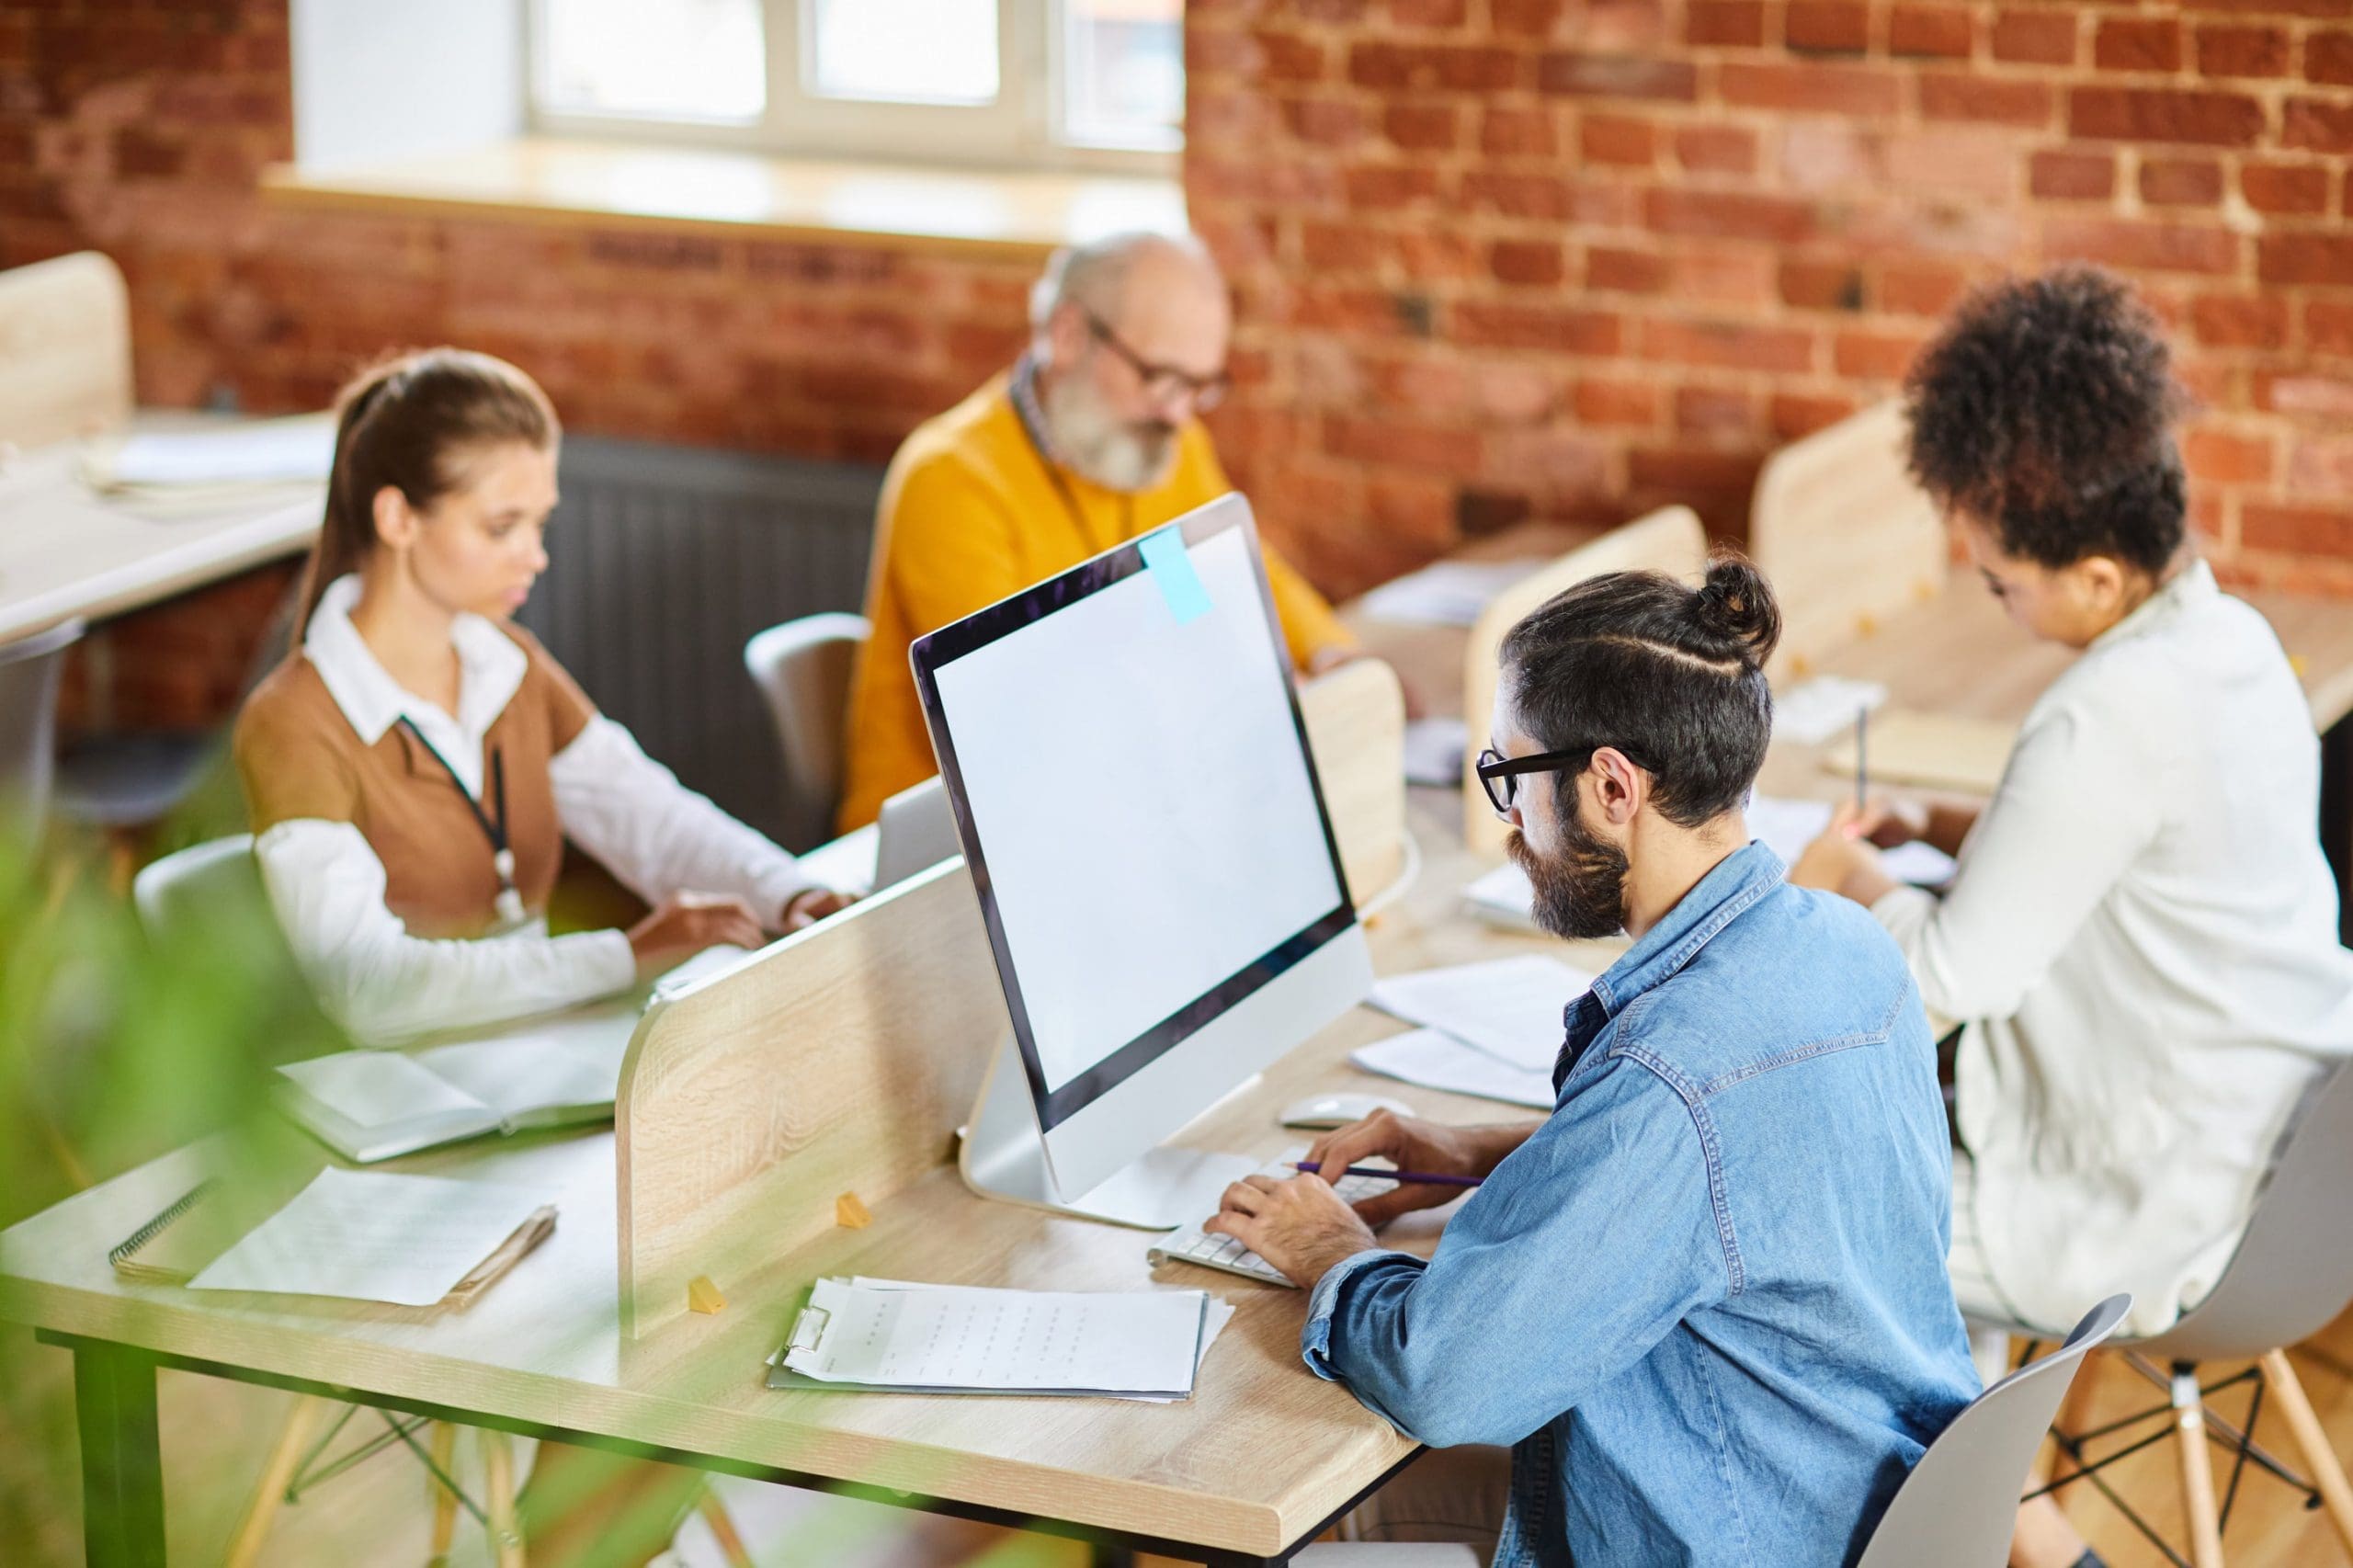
{"x": 894, "y": 1336}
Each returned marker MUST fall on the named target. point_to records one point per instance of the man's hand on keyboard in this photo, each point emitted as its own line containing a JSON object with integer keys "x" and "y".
{"x": 1430, "y": 1148}
{"x": 1301, "y": 1226}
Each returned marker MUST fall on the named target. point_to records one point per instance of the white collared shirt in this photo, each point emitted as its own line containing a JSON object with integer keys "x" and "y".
{"x": 327, "y": 885}
{"x": 2143, "y": 934}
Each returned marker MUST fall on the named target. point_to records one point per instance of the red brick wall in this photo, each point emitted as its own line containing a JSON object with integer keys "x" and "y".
{"x": 1511, "y": 258}
{"x": 1496, "y": 257}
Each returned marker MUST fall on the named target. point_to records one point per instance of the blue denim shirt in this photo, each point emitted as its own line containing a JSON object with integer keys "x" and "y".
{"x": 1707, "y": 1299}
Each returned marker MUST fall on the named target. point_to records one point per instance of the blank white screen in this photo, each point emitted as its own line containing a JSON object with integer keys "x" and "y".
{"x": 1141, "y": 801}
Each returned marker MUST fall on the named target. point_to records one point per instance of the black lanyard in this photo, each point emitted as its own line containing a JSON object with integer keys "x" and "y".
{"x": 502, "y": 858}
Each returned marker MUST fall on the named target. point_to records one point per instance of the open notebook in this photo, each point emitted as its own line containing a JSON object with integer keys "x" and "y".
{"x": 373, "y": 1104}
{"x": 559, "y": 1071}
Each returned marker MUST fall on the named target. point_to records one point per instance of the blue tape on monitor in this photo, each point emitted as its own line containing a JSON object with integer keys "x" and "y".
{"x": 1164, "y": 553}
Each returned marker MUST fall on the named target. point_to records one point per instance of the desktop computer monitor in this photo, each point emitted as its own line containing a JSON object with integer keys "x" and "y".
{"x": 1155, "y": 868}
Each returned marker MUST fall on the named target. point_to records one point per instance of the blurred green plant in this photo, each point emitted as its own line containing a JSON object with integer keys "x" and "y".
{"x": 116, "y": 1045}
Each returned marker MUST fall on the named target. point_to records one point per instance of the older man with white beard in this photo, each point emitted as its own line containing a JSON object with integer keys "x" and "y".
{"x": 1090, "y": 439}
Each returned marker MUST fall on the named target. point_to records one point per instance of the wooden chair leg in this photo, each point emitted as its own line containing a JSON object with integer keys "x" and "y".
{"x": 731, "y": 1540}
{"x": 301, "y": 1424}
{"x": 498, "y": 1481}
{"x": 2329, "y": 1472}
{"x": 2197, "y": 1470}
{"x": 444, "y": 1448}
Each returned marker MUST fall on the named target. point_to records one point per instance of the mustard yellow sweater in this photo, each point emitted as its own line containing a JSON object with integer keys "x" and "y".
{"x": 970, "y": 514}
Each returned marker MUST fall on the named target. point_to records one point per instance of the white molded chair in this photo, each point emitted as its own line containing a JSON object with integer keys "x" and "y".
{"x": 803, "y": 669}
{"x": 31, "y": 668}
{"x": 2290, "y": 1277}
{"x": 1958, "y": 1507}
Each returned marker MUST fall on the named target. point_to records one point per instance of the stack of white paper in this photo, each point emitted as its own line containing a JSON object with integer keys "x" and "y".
{"x": 1823, "y": 707}
{"x": 1437, "y": 1061}
{"x": 1510, "y": 1009}
{"x": 274, "y": 451}
{"x": 370, "y": 1237}
{"x": 1787, "y": 826}
{"x": 897, "y": 1336}
{"x": 1448, "y": 593}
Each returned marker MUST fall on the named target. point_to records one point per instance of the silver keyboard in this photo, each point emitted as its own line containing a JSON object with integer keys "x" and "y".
{"x": 1195, "y": 1245}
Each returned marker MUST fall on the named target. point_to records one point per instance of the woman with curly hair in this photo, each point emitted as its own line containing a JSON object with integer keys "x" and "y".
{"x": 2140, "y": 939}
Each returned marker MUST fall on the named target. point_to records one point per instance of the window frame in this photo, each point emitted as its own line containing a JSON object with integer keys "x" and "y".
{"x": 1015, "y": 131}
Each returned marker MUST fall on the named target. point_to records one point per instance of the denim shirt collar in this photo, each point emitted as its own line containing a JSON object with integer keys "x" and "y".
{"x": 1738, "y": 881}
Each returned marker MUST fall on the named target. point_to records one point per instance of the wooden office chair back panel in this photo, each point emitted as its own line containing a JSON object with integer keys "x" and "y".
{"x": 843, "y": 1058}
{"x": 1670, "y": 539}
{"x": 1847, "y": 538}
{"x": 64, "y": 350}
{"x": 1355, "y": 727}
{"x": 840, "y": 1061}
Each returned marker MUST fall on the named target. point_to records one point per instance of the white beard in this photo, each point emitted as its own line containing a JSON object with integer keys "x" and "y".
{"x": 1098, "y": 448}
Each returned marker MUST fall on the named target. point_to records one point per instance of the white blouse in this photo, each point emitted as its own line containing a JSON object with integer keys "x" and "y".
{"x": 658, "y": 837}
{"x": 2142, "y": 933}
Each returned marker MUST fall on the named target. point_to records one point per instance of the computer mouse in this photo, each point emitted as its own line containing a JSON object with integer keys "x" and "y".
{"x": 1338, "y": 1110}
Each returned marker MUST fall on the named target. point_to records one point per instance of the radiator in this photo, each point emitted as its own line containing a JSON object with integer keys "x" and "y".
{"x": 663, "y": 561}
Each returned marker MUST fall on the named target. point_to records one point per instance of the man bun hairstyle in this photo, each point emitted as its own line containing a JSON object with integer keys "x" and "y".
{"x": 2045, "y": 412}
{"x": 1672, "y": 676}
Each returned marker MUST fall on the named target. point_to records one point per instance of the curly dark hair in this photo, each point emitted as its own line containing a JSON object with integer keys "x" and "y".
{"x": 2045, "y": 412}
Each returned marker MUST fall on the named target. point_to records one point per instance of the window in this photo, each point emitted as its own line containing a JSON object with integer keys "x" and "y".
{"x": 1036, "y": 83}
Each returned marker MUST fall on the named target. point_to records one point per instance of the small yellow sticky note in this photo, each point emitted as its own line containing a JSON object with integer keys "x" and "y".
{"x": 850, "y": 1213}
{"x": 702, "y": 1296}
{"x": 2299, "y": 664}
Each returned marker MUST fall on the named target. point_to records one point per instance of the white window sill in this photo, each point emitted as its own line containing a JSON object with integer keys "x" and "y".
{"x": 635, "y": 185}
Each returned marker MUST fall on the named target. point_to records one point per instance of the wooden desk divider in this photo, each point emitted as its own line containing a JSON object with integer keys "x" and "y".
{"x": 1670, "y": 539}
{"x": 1847, "y": 538}
{"x": 843, "y": 1058}
{"x": 1355, "y": 727}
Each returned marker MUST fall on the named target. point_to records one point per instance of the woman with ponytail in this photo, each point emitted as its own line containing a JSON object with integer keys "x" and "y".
{"x": 413, "y": 769}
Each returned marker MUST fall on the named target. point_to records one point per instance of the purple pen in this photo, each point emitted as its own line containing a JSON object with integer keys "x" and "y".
{"x": 1408, "y": 1178}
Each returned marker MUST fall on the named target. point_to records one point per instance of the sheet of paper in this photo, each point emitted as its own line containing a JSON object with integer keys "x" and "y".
{"x": 967, "y": 1338}
{"x": 1434, "y": 751}
{"x": 1439, "y": 1061}
{"x": 1510, "y": 1008}
{"x": 1221, "y": 1313}
{"x": 1445, "y": 593}
{"x": 376, "y": 1088}
{"x": 516, "y": 1077}
{"x": 1787, "y": 826}
{"x": 1823, "y": 707}
{"x": 372, "y": 1236}
{"x": 270, "y": 451}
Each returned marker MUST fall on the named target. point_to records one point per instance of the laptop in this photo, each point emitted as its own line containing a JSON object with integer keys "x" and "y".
{"x": 916, "y": 831}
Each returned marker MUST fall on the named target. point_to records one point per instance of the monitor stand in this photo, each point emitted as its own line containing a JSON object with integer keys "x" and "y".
{"x": 1003, "y": 1156}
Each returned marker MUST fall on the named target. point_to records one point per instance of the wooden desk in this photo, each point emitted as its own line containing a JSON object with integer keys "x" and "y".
{"x": 67, "y": 551}
{"x": 1257, "y": 1464}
